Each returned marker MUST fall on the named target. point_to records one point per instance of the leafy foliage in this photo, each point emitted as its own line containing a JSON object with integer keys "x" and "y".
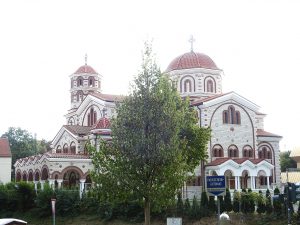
{"x": 261, "y": 205}
{"x": 156, "y": 142}
{"x": 236, "y": 201}
{"x": 269, "y": 207}
{"x": 286, "y": 161}
{"x": 23, "y": 144}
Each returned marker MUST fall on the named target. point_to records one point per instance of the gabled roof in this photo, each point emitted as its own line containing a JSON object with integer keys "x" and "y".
{"x": 108, "y": 97}
{"x": 239, "y": 161}
{"x": 77, "y": 129}
{"x": 227, "y": 97}
{"x": 263, "y": 133}
{"x": 4, "y": 148}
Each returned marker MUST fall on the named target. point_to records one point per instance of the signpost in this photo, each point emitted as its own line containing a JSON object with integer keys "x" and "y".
{"x": 216, "y": 186}
{"x": 53, "y": 200}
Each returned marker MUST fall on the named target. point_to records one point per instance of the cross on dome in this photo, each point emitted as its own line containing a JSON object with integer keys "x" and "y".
{"x": 192, "y": 40}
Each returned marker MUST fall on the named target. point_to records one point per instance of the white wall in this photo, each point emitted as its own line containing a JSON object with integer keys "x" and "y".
{"x": 5, "y": 169}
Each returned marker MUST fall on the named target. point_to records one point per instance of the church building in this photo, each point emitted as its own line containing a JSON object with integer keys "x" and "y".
{"x": 239, "y": 148}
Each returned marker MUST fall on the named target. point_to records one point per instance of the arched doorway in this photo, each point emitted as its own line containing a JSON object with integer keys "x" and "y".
{"x": 45, "y": 174}
{"x": 18, "y": 176}
{"x": 30, "y": 176}
{"x": 71, "y": 179}
{"x": 245, "y": 180}
{"x": 230, "y": 181}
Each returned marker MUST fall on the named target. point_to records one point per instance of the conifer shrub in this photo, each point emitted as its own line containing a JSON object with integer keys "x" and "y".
{"x": 187, "y": 208}
{"x": 179, "y": 205}
{"x": 269, "y": 207}
{"x": 251, "y": 201}
{"x": 236, "y": 201}
{"x": 204, "y": 210}
{"x": 212, "y": 204}
{"x": 277, "y": 205}
{"x": 195, "y": 209}
{"x": 227, "y": 201}
{"x": 261, "y": 203}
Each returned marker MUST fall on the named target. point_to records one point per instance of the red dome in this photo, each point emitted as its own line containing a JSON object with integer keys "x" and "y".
{"x": 192, "y": 60}
{"x": 85, "y": 69}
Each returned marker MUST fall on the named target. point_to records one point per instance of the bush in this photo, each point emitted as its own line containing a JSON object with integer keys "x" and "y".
{"x": 261, "y": 205}
{"x": 187, "y": 207}
{"x": 236, "y": 201}
{"x": 269, "y": 207}
{"x": 227, "y": 201}
{"x": 26, "y": 196}
{"x": 43, "y": 201}
{"x": 68, "y": 202}
{"x": 212, "y": 204}
{"x": 179, "y": 205}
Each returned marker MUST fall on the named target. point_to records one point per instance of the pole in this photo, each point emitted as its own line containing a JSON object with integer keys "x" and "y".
{"x": 53, "y": 200}
{"x": 218, "y": 210}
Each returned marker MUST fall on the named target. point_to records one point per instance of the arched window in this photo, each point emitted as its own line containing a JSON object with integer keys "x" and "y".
{"x": 210, "y": 86}
{"x": 233, "y": 151}
{"x": 217, "y": 151}
{"x": 79, "y": 81}
{"x": 247, "y": 151}
{"x": 231, "y": 116}
{"x": 92, "y": 117}
{"x": 73, "y": 148}
{"x": 65, "y": 149}
{"x": 58, "y": 149}
{"x": 79, "y": 96}
{"x": 187, "y": 86}
{"x": 225, "y": 116}
{"x": 264, "y": 153}
{"x": 91, "y": 81}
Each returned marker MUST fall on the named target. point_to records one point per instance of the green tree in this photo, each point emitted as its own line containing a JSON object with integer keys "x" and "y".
{"x": 286, "y": 161}
{"x": 23, "y": 143}
{"x": 277, "y": 203}
{"x": 155, "y": 142}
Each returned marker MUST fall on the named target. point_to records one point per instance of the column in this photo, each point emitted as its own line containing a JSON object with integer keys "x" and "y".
{"x": 268, "y": 182}
{"x": 42, "y": 184}
{"x": 59, "y": 182}
{"x": 252, "y": 183}
{"x": 51, "y": 183}
{"x": 81, "y": 188}
{"x": 236, "y": 182}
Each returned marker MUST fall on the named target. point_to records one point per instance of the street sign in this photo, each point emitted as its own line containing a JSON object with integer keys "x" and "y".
{"x": 216, "y": 185}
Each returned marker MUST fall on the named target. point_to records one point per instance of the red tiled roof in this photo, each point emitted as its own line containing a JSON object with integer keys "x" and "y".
{"x": 77, "y": 129}
{"x": 191, "y": 60}
{"x": 108, "y": 97}
{"x": 4, "y": 148}
{"x": 103, "y": 123}
{"x": 68, "y": 156}
{"x": 222, "y": 160}
{"x": 85, "y": 69}
{"x": 263, "y": 133}
{"x": 202, "y": 100}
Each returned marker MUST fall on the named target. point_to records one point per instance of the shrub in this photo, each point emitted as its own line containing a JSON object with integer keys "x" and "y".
{"x": 227, "y": 201}
{"x": 195, "y": 210}
{"x": 212, "y": 204}
{"x": 26, "y": 195}
{"x": 261, "y": 205}
{"x": 269, "y": 207}
{"x": 68, "y": 202}
{"x": 179, "y": 205}
{"x": 43, "y": 201}
{"x": 236, "y": 201}
{"x": 187, "y": 207}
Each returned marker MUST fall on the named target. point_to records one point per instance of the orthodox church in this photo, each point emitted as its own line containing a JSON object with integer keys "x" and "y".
{"x": 239, "y": 148}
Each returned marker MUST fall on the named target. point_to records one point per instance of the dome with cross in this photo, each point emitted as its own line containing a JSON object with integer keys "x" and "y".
{"x": 191, "y": 60}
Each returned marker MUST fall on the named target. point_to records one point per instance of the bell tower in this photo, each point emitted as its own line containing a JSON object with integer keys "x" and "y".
{"x": 84, "y": 81}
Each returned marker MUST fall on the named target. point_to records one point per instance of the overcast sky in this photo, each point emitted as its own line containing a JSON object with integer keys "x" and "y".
{"x": 255, "y": 42}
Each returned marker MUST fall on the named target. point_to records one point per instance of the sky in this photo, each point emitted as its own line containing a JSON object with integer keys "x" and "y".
{"x": 256, "y": 43}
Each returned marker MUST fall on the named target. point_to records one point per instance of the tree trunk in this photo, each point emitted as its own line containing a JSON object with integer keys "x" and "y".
{"x": 147, "y": 211}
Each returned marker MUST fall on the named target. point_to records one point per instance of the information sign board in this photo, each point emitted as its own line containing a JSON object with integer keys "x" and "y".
{"x": 216, "y": 185}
